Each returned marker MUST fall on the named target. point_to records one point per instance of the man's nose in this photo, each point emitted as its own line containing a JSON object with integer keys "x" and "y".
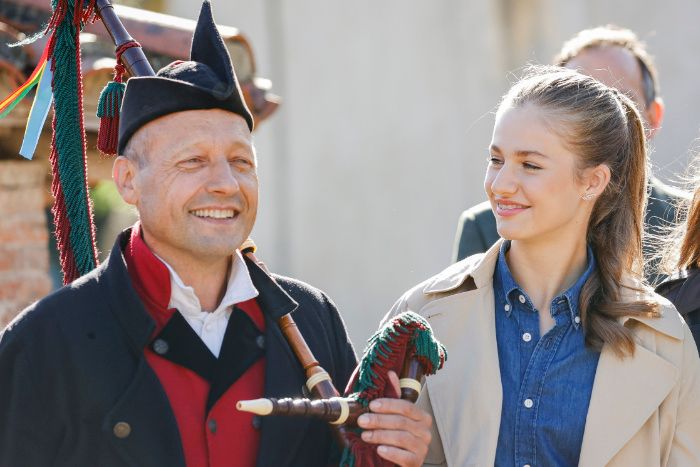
{"x": 222, "y": 178}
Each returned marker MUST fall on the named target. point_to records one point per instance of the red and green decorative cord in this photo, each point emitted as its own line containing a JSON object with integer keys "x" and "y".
{"x": 72, "y": 209}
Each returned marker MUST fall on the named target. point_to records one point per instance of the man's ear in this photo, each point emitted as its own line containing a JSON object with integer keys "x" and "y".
{"x": 124, "y": 173}
{"x": 596, "y": 179}
{"x": 655, "y": 115}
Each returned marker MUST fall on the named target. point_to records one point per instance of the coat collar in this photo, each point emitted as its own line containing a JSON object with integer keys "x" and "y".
{"x": 124, "y": 301}
{"x": 477, "y": 267}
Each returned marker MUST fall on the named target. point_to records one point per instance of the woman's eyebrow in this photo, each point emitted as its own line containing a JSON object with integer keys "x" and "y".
{"x": 519, "y": 153}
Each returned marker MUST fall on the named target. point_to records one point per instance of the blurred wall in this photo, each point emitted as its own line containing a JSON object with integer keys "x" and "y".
{"x": 381, "y": 139}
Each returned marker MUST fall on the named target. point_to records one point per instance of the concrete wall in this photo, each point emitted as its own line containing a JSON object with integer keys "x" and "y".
{"x": 381, "y": 139}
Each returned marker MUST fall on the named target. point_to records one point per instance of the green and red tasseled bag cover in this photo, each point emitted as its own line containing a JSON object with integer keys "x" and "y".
{"x": 407, "y": 334}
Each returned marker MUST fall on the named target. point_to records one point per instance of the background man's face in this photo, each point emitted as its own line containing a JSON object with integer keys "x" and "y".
{"x": 615, "y": 67}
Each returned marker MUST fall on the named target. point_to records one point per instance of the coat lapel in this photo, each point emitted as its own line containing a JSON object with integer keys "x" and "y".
{"x": 141, "y": 425}
{"x": 280, "y": 437}
{"x": 632, "y": 389}
{"x": 284, "y": 377}
{"x": 466, "y": 395}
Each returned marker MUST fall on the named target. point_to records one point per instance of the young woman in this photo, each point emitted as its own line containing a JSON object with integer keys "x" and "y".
{"x": 558, "y": 352}
{"x": 683, "y": 288}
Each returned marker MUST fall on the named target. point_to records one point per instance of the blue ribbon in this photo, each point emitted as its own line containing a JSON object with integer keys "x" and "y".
{"x": 38, "y": 113}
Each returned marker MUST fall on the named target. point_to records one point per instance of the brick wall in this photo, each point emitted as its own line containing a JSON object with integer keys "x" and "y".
{"x": 24, "y": 254}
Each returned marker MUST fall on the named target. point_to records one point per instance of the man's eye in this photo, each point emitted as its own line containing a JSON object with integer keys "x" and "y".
{"x": 494, "y": 160}
{"x": 242, "y": 162}
{"x": 529, "y": 166}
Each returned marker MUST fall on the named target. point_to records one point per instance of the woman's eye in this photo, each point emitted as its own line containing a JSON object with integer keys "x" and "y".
{"x": 494, "y": 160}
{"x": 529, "y": 166}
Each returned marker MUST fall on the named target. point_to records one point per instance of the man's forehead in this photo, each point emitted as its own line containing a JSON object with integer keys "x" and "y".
{"x": 192, "y": 127}
{"x": 613, "y": 66}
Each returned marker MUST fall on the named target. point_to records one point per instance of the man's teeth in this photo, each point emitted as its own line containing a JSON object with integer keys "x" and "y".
{"x": 214, "y": 213}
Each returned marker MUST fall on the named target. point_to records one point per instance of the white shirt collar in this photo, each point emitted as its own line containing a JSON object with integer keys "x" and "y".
{"x": 239, "y": 289}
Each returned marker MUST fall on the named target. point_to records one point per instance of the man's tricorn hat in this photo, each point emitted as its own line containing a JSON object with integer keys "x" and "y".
{"x": 207, "y": 81}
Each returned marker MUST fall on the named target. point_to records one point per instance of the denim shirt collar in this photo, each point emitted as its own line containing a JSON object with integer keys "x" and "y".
{"x": 509, "y": 287}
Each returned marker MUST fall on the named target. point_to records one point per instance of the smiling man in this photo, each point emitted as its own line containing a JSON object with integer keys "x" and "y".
{"x": 142, "y": 361}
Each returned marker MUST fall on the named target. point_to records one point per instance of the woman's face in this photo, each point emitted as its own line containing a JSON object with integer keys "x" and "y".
{"x": 531, "y": 179}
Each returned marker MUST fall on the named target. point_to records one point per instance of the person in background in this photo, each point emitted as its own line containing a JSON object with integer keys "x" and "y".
{"x": 618, "y": 59}
{"x": 559, "y": 352}
{"x": 683, "y": 250}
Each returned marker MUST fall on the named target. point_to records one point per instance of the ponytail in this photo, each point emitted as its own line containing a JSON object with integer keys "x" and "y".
{"x": 602, "y": 126}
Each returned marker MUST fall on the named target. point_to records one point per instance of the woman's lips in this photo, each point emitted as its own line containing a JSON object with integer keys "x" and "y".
{"x": 509, "y": 209}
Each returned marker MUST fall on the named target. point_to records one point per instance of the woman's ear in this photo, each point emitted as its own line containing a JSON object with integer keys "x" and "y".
{"x": 596, "y": 179}
{"x": 123, "y": 173}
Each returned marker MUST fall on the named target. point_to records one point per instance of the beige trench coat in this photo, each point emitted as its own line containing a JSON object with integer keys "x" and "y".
{"x": 644, "y": 410}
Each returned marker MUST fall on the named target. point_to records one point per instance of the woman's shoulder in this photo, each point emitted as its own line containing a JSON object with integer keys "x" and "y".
{"x": 665, "y": 332}
{"x": 468, "y": 274}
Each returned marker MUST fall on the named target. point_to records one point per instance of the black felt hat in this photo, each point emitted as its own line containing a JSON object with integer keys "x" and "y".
{"x": 207, "y": 81}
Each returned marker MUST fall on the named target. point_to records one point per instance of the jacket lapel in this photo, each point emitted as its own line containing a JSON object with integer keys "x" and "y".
{"x": 141, "y": 425}
{"x": 280, "y": 437}
{"x": 466, "y": 395}
{"x": 284, "y": 377}
{"x": 632, "y": 389}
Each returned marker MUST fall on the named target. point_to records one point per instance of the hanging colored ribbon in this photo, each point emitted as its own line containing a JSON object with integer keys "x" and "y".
{"x": 38, "y": 113}
{"x": 21, "y": 92}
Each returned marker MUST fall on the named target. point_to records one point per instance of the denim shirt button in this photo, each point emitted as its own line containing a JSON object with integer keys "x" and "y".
{"x": 506, "y": 307}
{"x": 527, "y": 337}
{"x": 521, "y": 298}
{"x": 528, "y": 403}
{"x": 577, "y": 319}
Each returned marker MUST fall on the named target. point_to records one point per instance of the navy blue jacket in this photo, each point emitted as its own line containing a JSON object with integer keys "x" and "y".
{"x": 683, "y": 290}
{"x": 73, "y": 374}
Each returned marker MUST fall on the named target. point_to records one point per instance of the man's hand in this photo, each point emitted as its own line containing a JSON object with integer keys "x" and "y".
{"x": 401, "y": 429}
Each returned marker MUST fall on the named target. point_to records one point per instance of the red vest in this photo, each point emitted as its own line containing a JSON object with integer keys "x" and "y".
{"x": 203, "y": 399}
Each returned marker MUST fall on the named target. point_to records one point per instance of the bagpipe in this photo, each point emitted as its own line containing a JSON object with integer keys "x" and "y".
{"x": 405, "y": 344}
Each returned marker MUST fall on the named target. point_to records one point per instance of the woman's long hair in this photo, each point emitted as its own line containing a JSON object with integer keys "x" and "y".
{"x": 601, "y": 126}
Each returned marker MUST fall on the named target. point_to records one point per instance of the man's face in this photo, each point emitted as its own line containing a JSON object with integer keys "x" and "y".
{"x": 615, "y": 67}
{"x": 196, "y": 188}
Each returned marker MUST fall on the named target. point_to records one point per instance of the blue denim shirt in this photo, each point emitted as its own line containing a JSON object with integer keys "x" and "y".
{"x": 547, "y": 381}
